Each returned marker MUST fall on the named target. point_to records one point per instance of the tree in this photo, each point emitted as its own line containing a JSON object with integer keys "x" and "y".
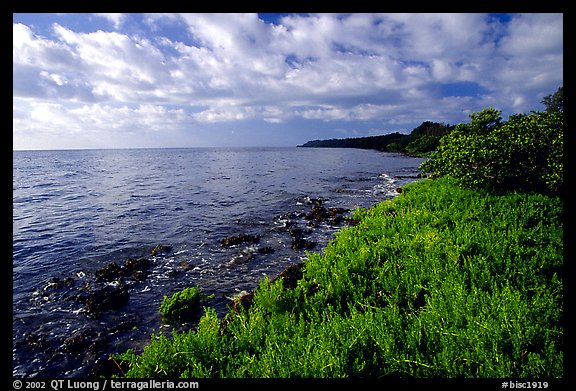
{"x": 429, "y": 128}
{"x": 485, "y": 121}
{"x": 555, "y": 102}
{"x": 423, "y": 144}
{"x": 525, "y": 152}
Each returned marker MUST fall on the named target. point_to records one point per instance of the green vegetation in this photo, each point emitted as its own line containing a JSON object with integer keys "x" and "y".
{"x": 459, "y": 276}
{"x": 555, "y": 101}
{"x": 525, "y": 152}
{"x": 441, "y": 281}
{"x": 525, "y": 139}
{"x": 420, "y": 142}
{"x": 184, "y": 305}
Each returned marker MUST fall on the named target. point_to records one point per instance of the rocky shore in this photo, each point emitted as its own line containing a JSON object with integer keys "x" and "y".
{"x": 102, "y": 299}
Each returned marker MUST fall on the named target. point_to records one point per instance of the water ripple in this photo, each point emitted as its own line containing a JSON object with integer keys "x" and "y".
{"x": 76, "y": 211}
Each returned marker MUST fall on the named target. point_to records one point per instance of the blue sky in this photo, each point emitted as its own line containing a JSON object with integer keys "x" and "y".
{"x": 205, "y": 80}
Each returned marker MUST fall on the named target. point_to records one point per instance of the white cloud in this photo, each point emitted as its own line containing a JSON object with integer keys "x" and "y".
{"x": 224, "y": 114}
{"x": 125, "y": 68}
{"x": 533, "y": 35}
{"x": 235, "y": 67}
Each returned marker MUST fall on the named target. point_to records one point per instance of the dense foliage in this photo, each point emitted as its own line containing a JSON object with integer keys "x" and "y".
{"x": 555, "y": 101}
{"x": 182, "y": 305}
{"x": 441, "y": 281}
{"x": 422, "y": 140}
{"x": 525, "y": 152}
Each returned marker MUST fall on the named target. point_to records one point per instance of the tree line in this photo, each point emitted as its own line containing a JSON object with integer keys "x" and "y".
{"x": 523, "y": 153}
{"x": 423, "y": 139}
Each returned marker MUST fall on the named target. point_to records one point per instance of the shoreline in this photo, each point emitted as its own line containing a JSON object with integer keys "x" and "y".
{"x": 105, "y": 294}
{"x": 314, "y": 289}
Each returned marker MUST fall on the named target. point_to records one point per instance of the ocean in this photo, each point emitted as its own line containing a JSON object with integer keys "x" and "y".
{"x": 79, "y": 216}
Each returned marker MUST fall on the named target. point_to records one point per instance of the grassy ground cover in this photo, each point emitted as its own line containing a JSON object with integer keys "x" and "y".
{"x": 438, "y": 282}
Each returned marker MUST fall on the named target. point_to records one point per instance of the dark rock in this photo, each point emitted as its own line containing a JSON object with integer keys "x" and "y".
{"x": 343, "y": 190}
{"x": 137, "y": 264}
{"x": 109, "y": 297}
{"x": 138, "y": 269}
{"x": 56, "y": 283}
{"x": 301, "y": 244}
{"x": 237, "y": 239}
{"x": 84, "y": 340}
{"x": 36, "y": 340}
{"x": 123, "y": 322}
{"x": 313, "y": 201}
{"x": 140, "y": 275}
{"x": 351, "y": 221}
{"x": 242, "y": 300}
{"x": 110, "y": 272}
{"x": 336, "y": 211}
{"x": 185, "y": 266}
{"x": 298, "y": 233}
{"x": 298, "y": 241}
{"x": 320, "y": 214}
{"x": 161, "y": 249}
{"x": 265, "y": 250}
{"x": 290, "y": 275}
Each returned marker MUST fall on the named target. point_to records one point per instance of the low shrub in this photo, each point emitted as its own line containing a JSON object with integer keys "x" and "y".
{"x": 441, "y": 281}
{"x": 181, "y": 306}
{"x": 523, "y": 153}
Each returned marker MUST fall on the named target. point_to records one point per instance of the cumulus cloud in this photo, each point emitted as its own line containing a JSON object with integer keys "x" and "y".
{"x": 225, "y": 68}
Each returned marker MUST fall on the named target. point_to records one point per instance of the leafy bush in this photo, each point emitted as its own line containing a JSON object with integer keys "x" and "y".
{"x": 524, "y": 152}
{"x": 423, "y": 145}
{"x": 439, "y": 282}
{"x": 183, "y": 305}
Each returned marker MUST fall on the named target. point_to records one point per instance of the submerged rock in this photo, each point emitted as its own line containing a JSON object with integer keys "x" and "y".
{"x": 161, "y": 249}
{"x": 84, "y": 340}
{"x": 241, "y": 258}
{"x": 313, "y": 201}
{"x": 56, "y": 283}
{"x": 185, "y": 266}
{"x": 95, "y": 300}
{"x": 303, "y": 244}
{"x": 110, "y": 272}
{"x": 237, "y": 239}
{"x": 298, "y": 241}
{"x": 109, "y": 297}
{"x": 104, "y": 290}
{"x": 321, "y": 214}
{"x": 265, "y": 250}
{"x": 136, "y": 269}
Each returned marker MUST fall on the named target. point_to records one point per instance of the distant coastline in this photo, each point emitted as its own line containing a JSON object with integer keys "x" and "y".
{"x": 420, "y": 142}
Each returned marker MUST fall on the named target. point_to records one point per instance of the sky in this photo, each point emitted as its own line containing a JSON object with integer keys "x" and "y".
{"x": 238, "y": 80}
